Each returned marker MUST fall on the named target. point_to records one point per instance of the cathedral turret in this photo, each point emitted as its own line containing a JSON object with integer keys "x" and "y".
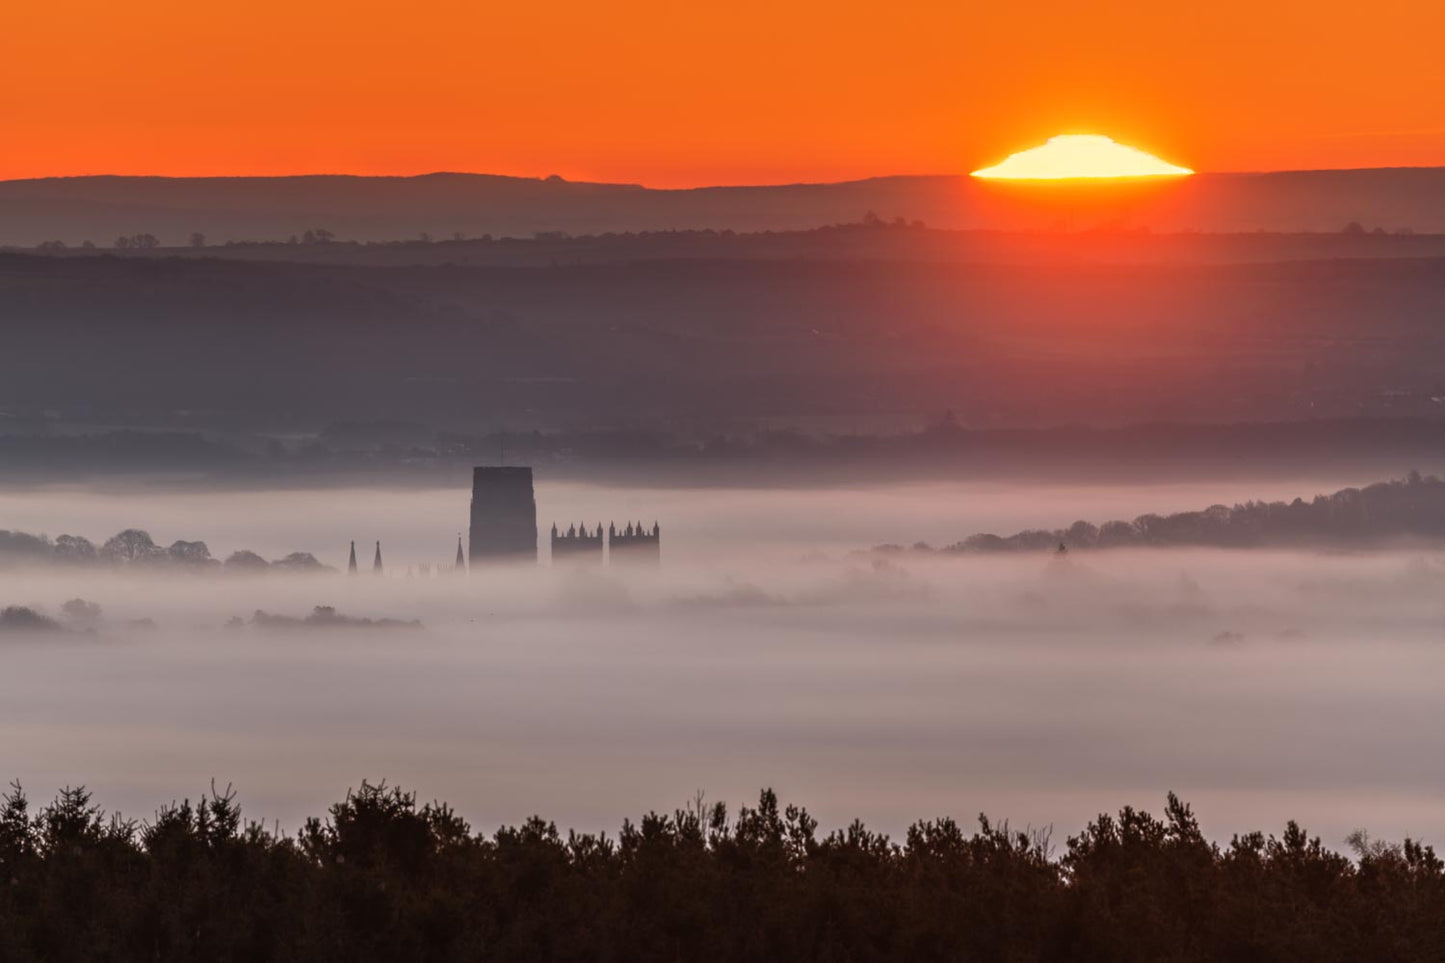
{"x": 576, "y": 544}
{"x": 376, "y": 563}
{"x": 633, "y": 543}
{"x": 461, "y": 564}
{"x": 351, "y": 565}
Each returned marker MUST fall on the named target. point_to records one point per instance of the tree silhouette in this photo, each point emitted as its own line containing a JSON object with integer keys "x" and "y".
{"x": 382, "y": 877}
{"x": 130, "y": 547}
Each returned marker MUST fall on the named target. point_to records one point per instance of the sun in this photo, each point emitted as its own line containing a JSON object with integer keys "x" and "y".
{"x": 1071, "y": 156}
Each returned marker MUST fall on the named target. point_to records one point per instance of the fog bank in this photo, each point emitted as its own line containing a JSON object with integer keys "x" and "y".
{"x": 1260, "y": 685}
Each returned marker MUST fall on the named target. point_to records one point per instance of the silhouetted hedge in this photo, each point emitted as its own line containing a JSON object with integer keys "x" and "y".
{"x": 385, "y": 879}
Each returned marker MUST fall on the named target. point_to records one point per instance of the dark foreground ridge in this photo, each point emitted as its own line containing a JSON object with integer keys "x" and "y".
{"x": 382, "y": 878}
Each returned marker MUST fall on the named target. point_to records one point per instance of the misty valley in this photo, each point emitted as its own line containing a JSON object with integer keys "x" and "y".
{"x": 773, "y": 646}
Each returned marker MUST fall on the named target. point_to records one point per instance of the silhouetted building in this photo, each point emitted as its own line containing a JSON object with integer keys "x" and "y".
{"x": 577, "y": 545}
{"x": 460, "y": 565}
{"x": 351, "y": 565}
{"x": 376, "y": 563}
{"x": 634, "y": 545}
{"x": 504, "y": 516}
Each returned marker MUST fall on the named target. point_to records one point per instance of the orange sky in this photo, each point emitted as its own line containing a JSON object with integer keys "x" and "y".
{"x": 677, "y": 94}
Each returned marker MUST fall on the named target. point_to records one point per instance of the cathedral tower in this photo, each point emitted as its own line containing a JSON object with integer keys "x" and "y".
{"x": 504, "y": 516}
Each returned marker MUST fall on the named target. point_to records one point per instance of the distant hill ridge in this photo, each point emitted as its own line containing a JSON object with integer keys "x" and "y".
{"x": 1408, "y": 508}
{"x": 101, "y": 208}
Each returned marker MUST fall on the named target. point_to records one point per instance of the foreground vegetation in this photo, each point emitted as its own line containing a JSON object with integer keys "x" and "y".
{"x": 385, "y": 879}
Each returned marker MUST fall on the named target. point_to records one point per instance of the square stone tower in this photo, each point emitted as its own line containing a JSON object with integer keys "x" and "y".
{"x": 504, "y": 516}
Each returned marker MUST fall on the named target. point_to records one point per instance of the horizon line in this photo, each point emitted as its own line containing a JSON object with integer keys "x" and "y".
{"x": 544, "y": 178}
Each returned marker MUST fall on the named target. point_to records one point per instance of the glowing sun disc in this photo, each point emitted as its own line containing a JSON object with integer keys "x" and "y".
{"x": 1080, "y": 155}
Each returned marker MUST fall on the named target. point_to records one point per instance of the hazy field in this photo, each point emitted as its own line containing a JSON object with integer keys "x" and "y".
{"x": 1261, "y": 686}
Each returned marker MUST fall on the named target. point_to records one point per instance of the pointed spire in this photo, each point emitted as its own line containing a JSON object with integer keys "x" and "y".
{"x": 376, "y": 564}
{"x": 461, "y": 565}
{"x": 554, "y": 529}
{"x": 351, "y": 565}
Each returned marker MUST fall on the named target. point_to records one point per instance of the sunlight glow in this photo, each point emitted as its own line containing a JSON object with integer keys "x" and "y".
{"x": 1080, "y": 155}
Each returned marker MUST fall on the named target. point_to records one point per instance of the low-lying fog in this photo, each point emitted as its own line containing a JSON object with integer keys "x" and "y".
{"x": 1260, "y": 685}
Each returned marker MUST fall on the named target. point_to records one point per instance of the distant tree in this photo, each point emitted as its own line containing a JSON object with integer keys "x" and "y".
{"x": 189, "y": 555}
{"x": 23, "y": 547}
{"x": 21, "y": 618}
{"x": 1082, "y": 535}
{"x": 244, "y": 561}
{"x": 130, "y": 547}
{"x": 197, "y": 239}
{"x": 299, "y": 562}
{"x": 50, "y": 247}
{"x": 87, "y": 245}
{"x": 74, "y": 549}
{"x": 1353, "y": 229}
{"x": 80, "y": 613}
{"x": 1116, "y": 533}
{"x": 946, "y": 424}
{"x": 139, "y": 242}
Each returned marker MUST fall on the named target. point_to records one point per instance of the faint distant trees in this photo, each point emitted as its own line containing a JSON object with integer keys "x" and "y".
{"x": 136, "y": 242}
{"x": 197, "y": 239}
{"x": 81, "y": 614}
{"x": 872, "y": 219}
{"x": 299, "y": 562}
{"x": 318, "y": 235}
{"x": 135, "y": 547}
{"x": 50, "y": 247}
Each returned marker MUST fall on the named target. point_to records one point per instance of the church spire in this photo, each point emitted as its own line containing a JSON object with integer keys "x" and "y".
{"x": 351, "y": 565}
{"x": 376, "y": 565}
{"x": 461, "y": 566}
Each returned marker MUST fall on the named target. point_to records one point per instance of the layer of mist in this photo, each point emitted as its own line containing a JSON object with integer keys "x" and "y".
{"x": 1263, "y": 685}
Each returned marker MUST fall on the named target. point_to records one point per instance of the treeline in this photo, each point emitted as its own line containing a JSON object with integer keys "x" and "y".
{"x": 1409, "y": 507}
{"x": 135, "y": 549}
{"x": 871, "y": 220}
{"x": 382, "y": 878}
